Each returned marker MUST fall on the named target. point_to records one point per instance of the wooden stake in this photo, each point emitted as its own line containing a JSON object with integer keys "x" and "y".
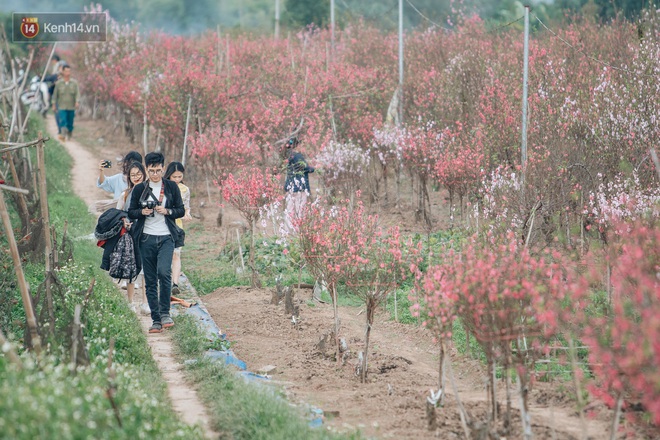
{"x": 43, "y": 201}
{"x": 185, "y": 135}
{"x": 23, "y": 211}
{"x": 578, "y": 389}
{"x": 240, "y": 250}
{"x": 145, "y": 124}
{"x": 18, "y": 268}
{"x": 75, "y": 332}
{"x": 461, "y": 409}
{"x": 617, "y": 415}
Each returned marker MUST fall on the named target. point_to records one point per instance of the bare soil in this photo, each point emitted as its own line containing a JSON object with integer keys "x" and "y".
{"x": 403, "y": 367}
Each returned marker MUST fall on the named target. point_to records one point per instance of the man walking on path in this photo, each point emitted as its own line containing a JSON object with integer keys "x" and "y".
{"x": 65, "y": 102}
{"x": 156, "y": 204}
{"x": 56, "y": 63}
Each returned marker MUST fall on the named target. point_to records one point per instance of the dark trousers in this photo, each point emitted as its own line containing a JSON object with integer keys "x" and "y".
{"x": 57, "y": 121}
{"x": 65, "y": 119}
{"x": 156, "y": 251}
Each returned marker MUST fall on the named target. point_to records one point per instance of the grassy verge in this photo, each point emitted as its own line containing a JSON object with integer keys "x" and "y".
{"x": 46, "y": 397}
{"x": 241, "y": 410}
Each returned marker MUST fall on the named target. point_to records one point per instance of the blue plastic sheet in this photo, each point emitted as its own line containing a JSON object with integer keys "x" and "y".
{"x": 226, "y": 356}
{"x": 205, "y": 321}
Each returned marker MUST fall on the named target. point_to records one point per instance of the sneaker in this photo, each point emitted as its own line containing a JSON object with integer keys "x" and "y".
{"x": 167, "y": 321}
{"x": 133, "y": 308}
{"x": 156, "y": 327}
{"x": 175, "y": 290}
{"x": 144, "y": 309}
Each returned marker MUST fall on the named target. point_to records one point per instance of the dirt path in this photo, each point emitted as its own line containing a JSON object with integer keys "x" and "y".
{"x": 184, "y": 398}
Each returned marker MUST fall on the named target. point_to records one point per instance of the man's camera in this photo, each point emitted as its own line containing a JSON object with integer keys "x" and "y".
{"x": 149, "y": 204}
{"x": 106, "y": 164}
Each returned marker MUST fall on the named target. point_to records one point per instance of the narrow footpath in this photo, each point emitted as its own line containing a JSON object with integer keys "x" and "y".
{"x": 183, "y": 396}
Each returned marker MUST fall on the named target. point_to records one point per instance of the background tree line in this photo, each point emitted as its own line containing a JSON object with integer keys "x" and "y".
{"x": 188, "y": 16}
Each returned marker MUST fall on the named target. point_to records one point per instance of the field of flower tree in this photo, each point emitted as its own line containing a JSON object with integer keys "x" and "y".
{"x": 562, "y": 253}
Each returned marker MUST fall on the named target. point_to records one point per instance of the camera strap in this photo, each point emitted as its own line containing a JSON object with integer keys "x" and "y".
{"x": 162, "y": 192}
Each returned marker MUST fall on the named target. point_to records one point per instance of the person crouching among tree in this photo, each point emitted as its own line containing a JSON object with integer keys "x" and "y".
{"x": 155, "y": 205}
{"x": 297, "y": 182}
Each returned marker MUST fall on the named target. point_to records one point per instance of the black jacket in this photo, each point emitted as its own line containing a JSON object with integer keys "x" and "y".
{"x": 297, "y": 173}
{"x": 173, "y": 201}
{"x": 108, "y": 228}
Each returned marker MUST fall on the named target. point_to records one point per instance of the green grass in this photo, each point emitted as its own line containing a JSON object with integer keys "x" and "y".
{"x": 46, "y": 398}
{"x": 241, "y": 410}
{"x": 207, "y": 270}
{"x": 206, "y": 283}
{"x": 402, "y": 305}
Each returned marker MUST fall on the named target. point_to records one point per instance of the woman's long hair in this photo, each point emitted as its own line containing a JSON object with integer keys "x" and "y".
{"x": 172, "y": 168}
{"x": 140, "y": 167}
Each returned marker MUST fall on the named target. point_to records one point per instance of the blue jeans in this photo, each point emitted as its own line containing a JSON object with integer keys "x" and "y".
{"x": 157, "y": 253}
{"x": 65, "y": 119}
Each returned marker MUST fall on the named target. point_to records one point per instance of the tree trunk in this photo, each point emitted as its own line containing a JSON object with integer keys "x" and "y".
{"x": 524, "y": 409}
{"x": 333, "y": 294}
{"x": 492, "y": 389}
{"x": 441, "y": 366}
{"x": 256, "y": 282}
{"x": 371, "y": 308}
{"x": 507, "y": 384}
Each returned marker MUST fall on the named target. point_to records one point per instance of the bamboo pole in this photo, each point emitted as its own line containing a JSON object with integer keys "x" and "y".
{"x": 145, "y": 122}
{"x": 45, "y": 219}
{"x": 185, "y": 134}
{"x": 18, "y": 145}
{"x": 578, "y": 390}
{"x": 615, "y": 421}
{"x": 23, "y": 211}
{"x": 27, "y": 117}
{"x": 75, "y": 332}
{"x": 18, "y": 268}
{"x": 656, "y": 161}
{"x": 14, "y": 189}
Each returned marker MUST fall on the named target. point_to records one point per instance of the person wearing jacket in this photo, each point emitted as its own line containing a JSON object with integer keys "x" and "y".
{"x": 155, "y": 205}
{"x": 108, "y": 231}
{"x": 296, "y": 185}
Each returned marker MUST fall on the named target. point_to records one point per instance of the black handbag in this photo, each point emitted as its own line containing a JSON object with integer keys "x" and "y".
{"x": 180, "y": 238}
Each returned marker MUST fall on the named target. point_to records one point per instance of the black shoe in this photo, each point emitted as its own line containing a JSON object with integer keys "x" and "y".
{"x": 167, "y": 322}
{"x": 175, "y": 290}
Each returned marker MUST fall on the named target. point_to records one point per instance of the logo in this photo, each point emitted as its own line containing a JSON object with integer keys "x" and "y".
{"x": 29, "y": 27}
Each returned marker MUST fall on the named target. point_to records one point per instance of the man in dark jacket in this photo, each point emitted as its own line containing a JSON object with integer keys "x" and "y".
{"x": 297, "y": 182}
{"x": 155, "y": 204}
